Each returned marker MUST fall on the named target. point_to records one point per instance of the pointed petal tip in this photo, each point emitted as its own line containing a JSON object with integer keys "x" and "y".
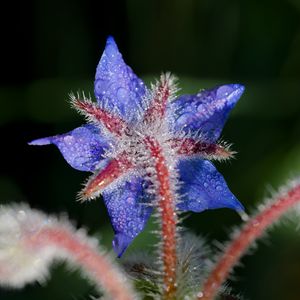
{"x": 204, "y": 187}
{"x": 40, "y": 142}
{"x": 238, "y": 207}
{"x": 111, "y": 47}
{"x": 117, "y": 85}
{"x": 120, "y": 243}
{"x": 233, "y": 203}
{"x": 110, "y": 40}
{"x": 232, "y": 92}
{"x": 238, "y": 88}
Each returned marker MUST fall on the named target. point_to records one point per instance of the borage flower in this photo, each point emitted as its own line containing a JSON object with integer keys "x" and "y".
{"x": 127, "y": 124}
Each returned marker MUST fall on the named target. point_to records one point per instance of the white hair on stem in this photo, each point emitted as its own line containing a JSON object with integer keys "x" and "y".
{"x": 31, "y": 240}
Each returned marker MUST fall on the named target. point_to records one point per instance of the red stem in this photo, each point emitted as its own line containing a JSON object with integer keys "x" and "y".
{"x": 98, "y": 267}
{"x": 252, "y": 230}
{"x": 166, "y": 205}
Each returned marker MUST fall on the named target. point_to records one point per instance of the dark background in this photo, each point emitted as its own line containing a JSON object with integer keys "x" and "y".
{"x": 49, "y": 48}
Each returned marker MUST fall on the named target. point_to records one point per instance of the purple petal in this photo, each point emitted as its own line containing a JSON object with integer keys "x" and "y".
{"x": 203, "y": 187}
{"x": 206, "y": 111}
{"x": 128, "y": 211}
{"x": 82, "y": 148}
{"x": 116, "y": 83}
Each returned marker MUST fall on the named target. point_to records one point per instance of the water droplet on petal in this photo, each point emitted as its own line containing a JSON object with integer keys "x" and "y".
{"x": 122, "y": 94}
{"x": 224, "y": 91}
{"x": 201, "y": 107}
{"x": 182, "y": 120}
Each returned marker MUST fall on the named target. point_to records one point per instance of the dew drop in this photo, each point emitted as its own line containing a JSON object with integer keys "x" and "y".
{"x": 201, "y": 107}
{"x": 122, "y": 94}
{"x": 182, "y": 120}
{"x": 219, "y": 188}
{"x": 130, "y": 200}
{"x": 68, "y": 139}
{"x": 224, "y": 91}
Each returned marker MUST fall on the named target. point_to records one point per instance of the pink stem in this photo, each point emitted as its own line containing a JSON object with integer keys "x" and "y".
{"x": 252, "y": 230}
{"x": 98, "y": 267}
{"x": 166, "y": 205}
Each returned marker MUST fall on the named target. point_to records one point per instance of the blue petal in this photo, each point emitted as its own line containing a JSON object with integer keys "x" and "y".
{"x": 82, "y": 148}
{"x": 206, "y": 111}
{"x": 126, "y": 205}
{"x": 203, "y": 187}
{"x": 116, "y": 83}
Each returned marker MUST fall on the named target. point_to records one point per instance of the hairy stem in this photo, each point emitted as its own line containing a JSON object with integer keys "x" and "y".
{"x": 97, "y": 266}
{"x": 252, "y": 230}
{"x": 166, "y": 205}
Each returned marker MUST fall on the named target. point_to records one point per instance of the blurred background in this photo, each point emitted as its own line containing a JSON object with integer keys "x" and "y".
{"x": 50, "y": 48}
